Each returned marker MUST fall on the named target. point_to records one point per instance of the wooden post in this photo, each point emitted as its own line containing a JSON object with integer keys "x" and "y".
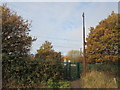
{"x": 84, "y": 59}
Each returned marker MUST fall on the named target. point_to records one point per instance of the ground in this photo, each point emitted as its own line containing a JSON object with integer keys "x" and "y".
{"x": 75, "y": 84}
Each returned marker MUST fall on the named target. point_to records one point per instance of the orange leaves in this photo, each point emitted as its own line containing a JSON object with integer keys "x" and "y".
{"x": 15, "y": 33}
{"x": 66, "y": 57}
{"x": 103, "y": 39}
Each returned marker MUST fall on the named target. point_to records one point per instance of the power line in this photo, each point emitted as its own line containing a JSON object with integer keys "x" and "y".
{"x": 52, "y": 38}
{"x": 59, "y": 38}
{"x": 64, "y": 46}
{"x": 61, "y": 44}
{"x": 48, "y": 33}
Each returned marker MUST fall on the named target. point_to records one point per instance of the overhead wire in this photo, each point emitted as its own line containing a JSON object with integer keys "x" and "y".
{"x": 47, "y": 37}
{"x": 54, "y": 38}
{"x": 49, "y": 33}
{"x": 58, "y": 45}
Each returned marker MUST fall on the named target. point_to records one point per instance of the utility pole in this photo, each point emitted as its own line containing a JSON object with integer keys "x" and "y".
{"x": 84, "y": 58}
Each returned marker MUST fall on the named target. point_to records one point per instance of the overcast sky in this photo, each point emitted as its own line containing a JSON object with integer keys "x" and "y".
{"x": 61, "y": 22}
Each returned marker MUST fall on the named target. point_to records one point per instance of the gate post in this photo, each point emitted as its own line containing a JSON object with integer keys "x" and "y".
{"x": 78, "y": 69}
{"x": 69, "y": 70}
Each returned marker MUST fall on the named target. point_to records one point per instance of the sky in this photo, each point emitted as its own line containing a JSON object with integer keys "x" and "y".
{"x": 61, "y": 22}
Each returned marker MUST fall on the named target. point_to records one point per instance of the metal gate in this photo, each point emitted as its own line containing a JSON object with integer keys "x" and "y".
{"x": 72, "y": 70}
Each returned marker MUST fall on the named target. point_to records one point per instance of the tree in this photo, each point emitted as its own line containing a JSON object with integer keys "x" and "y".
{"x": 15, "y": 33}
{"x": 51, "y": 62}
{"x": 103, "y": 40}
{"x": 75, "y": 55}
{"x": 46, "y": 52}
{"x": 16, "y": 44}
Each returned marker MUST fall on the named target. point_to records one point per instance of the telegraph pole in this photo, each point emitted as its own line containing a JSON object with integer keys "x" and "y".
{"x": 84, "y": 58}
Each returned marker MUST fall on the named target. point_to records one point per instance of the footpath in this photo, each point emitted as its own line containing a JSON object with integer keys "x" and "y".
{"x": 75, "y": 84}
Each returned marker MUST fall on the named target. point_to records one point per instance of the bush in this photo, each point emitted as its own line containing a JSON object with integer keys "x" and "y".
{"x": 13, "y": 69}
{"x": 108, "y": 68}
{"x": 51, "y": 62}
{"x": 101, "y": 67}
{"x": 61, "y": 84}
{"x": 23, "y": 73}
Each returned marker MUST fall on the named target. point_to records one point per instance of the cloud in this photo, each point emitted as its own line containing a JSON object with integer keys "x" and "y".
{"x": 61, "y": 23}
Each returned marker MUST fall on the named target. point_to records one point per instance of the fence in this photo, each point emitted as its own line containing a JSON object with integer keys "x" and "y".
{"x": 72, "y": 70}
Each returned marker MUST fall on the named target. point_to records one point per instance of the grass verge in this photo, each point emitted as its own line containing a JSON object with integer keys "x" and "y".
{"x": 97, "y": 79}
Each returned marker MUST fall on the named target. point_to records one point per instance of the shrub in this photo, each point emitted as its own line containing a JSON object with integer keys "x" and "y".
{"x": 61, "y": 84}
{"x": 109, "y": 68}
{"x": 51, "y": 62}
{"x": 27, "y": 73}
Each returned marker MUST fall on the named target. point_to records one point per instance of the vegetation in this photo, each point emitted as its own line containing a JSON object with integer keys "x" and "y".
{"x": 45, "y": 70}
{"x": 74, "y": 56}
{"x": 103, "y": 41}
{"x": 18, "y": 69}
{"x": 16, "y": 44}
{"x": 15, "y": 34}
{"x": 51, "y": 62}
{"x": 102, "y": 54}
{"x": 107, "y": 68}
{"x": 97, "y": 79}
{"x": 60, "y": 84}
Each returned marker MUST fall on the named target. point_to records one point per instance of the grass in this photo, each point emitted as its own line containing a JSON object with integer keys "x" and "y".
{"x": 100, "y": 76}
{"x": 97, "y": 79}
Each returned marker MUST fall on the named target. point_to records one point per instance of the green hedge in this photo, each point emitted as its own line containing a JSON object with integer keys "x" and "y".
{"x": 111, "y": 68}
{"x": 61, "y": 84}
{"x": 17, "y": 71}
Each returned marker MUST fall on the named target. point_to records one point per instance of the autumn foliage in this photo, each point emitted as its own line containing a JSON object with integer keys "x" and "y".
{"x": 103, "y": 40}
{"x": 16, "y": 44}
{"x": 15, "y": 33}
{"x": 51, "y": 62}
{"x": 74, "y": 56}
{"x": 18, "y": 67}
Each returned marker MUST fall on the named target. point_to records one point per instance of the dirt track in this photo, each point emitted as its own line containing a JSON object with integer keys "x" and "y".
{"x": 75, "y": 84}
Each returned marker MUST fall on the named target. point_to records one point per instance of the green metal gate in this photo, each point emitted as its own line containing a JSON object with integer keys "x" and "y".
{"x": 72, "y": 70}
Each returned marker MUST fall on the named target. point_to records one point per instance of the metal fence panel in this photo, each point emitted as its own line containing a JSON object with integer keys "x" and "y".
{"x": 72, "y": 70}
